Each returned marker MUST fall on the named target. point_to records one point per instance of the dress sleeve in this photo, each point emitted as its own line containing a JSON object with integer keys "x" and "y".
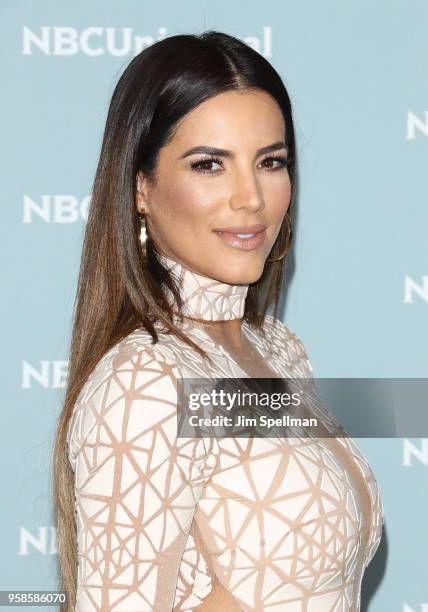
{"x": 136, "y": 485}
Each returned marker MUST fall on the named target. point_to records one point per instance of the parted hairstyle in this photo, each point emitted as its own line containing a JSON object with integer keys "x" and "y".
{"x": 118, "y": 289}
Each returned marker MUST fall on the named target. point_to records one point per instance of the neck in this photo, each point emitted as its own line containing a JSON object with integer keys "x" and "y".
{"x": 207, "y": 300}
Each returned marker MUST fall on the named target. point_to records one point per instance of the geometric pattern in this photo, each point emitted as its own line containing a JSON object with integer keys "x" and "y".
{"x": 279, "y": 524}
{"x": 204, "y": 297}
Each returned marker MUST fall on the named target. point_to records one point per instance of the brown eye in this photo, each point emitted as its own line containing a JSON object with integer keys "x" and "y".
{"x": 204, "y": 166}
{"x": 275, "y": 162}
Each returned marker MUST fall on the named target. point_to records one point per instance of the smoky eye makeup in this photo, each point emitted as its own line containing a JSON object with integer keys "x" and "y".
{"x": 282, "y": 160}
{"x": 204, "y": 165}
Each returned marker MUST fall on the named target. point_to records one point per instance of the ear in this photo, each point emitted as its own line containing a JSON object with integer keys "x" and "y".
{"x": 142, "y": 199}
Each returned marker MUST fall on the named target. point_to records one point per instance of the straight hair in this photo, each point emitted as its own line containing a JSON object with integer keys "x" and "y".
{"x": 118, "y": 289}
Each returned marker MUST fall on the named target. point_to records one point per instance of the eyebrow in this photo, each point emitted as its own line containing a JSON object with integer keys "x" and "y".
{"x": 280, "y": 144}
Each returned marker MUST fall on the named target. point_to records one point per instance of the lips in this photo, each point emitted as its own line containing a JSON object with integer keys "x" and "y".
{"x": 247, "y": 238}
{"x": 242, "y": 229}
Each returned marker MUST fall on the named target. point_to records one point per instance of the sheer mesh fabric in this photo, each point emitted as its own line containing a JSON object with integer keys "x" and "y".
{"x": 280, "y": 524}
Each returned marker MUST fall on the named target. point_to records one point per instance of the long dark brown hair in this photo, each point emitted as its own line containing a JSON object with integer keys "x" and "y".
{"x": 118, "y": 290}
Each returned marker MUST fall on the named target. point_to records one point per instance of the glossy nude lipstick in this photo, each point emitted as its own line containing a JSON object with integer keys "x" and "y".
{"x": 247, "y": 237}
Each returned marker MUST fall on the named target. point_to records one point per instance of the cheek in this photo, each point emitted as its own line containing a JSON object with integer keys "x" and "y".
{"x": 186, "y": 202}
{"x": 277, "y": 197}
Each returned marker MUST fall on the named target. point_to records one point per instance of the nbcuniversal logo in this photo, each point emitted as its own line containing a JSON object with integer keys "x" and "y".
{"x": 48, "y": 374}
{"x": 44, "y": 542}
{"x": 55, "y": 208}
{"x": 413, "y": 452}
{"x": 415, "y": 125}
{"x": 97, "y": 41}
{"x": 411, "y": 288}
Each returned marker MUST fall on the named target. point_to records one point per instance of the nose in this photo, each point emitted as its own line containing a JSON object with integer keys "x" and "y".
{"x": 246, "y": 192}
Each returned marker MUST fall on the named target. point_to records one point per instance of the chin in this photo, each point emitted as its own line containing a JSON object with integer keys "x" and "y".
{"x": 241, "y": 272}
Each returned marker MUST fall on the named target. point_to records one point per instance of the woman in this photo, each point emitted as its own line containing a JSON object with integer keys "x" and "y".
{"x": 199, "y": 147}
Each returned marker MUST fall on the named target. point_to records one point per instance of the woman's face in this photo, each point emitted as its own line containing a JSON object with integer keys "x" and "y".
{"x": 223, "y": 169}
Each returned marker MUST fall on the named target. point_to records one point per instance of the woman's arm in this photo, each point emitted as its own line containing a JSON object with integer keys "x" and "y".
{"x": 136, "y": 486}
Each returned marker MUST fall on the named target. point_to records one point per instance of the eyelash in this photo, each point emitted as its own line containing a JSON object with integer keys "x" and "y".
{"x": 197, "y": 166}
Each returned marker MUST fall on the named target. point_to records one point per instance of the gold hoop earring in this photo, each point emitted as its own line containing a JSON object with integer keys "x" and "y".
{"x": 284, "y": 253}
{"x": 143, "y": 232}
{"x": 279, "y": 257}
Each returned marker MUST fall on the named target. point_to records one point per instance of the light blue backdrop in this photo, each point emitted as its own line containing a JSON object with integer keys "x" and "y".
{"x": 358, "y": 297}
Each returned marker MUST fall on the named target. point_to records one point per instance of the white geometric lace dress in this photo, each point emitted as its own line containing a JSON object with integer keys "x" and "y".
{"x": 280, "y": 522}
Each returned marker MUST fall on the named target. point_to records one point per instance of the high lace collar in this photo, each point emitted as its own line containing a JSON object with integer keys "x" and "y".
{"x": 206, "y": 298}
